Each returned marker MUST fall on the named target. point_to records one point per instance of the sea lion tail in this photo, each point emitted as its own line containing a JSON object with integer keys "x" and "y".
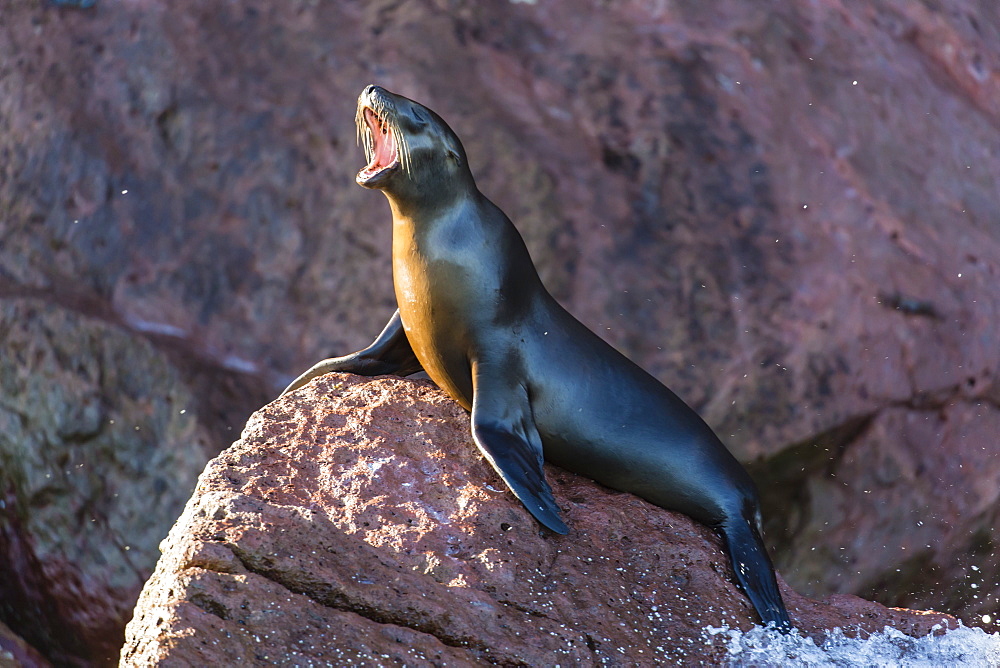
{"x": 753, "y": 569}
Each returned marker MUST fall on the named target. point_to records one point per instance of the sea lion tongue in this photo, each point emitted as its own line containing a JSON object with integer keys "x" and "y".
{"x": 385, "y": 153}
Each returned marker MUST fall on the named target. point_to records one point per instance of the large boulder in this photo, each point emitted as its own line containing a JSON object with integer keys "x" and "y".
{"x": 355, "y": 523}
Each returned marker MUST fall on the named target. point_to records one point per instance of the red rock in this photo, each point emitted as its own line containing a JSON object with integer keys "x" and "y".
{"x": 789, "y": 216}
{"x": 355, "y": 521}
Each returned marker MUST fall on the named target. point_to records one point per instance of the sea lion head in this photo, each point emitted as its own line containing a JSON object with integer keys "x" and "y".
{"x": 412, "y": 153}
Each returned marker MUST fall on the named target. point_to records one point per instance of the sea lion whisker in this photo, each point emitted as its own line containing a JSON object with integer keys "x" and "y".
{"x": 402, "y": 145}
{"x": 364, "y": 137}
{"x": 384, "y": 120}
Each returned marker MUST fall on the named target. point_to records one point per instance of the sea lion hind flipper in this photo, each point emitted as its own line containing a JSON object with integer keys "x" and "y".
{"x": 389, "y": 354}
{"x": 754, "y": 571}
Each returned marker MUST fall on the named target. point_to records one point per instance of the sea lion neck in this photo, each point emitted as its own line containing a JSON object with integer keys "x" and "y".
{"x": 424, "y": 204}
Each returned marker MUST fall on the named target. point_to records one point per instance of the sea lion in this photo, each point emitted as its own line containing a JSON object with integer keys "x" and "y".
{"x": 474, "y": 315}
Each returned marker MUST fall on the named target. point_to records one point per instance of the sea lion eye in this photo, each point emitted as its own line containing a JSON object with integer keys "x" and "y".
{"x": 419, "y": 117}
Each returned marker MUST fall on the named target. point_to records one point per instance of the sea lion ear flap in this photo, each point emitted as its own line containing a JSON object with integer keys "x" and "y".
{"x": 453, "y": 155}
{"x": 419, "y": 118}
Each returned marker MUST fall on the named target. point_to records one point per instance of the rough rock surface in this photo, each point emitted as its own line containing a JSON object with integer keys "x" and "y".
{"x": 788, "y": 214}
{"x": 355, "y": 523}
{"x": 95, "y": 460}
{"x": 15, "y": 653}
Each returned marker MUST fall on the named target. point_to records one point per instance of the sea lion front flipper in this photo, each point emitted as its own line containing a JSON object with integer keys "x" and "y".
{"x": 389, "y": 353}
{"x": 503, "y": 430}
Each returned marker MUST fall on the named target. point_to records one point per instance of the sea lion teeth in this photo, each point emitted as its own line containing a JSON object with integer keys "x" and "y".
{"x": 380, "y": 144}
{"x": 376, "y": 121}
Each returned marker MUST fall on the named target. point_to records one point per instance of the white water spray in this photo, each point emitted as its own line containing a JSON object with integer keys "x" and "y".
{"x": 963, "y": 646}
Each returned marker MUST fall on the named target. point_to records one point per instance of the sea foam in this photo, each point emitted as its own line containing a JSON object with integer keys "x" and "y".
{"x": 760, "y": 646}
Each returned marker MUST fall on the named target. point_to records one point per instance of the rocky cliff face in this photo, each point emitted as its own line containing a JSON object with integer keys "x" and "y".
{"x": 788, "y": 214}
{"x": 356, "y": 523}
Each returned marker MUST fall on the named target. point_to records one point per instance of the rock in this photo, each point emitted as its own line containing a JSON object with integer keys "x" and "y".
{"x": 787, "y": 216}
{"x": 15, "y": 653}
{"x": 354, "y": 522}
{"x": 922, "y": 497}
{"x": 99, "y": 449}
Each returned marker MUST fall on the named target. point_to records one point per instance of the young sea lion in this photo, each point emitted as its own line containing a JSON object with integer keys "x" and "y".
{"x": 474, "y": 315}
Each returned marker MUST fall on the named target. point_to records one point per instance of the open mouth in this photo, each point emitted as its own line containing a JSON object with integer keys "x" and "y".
{"x": 379, "y": 141}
